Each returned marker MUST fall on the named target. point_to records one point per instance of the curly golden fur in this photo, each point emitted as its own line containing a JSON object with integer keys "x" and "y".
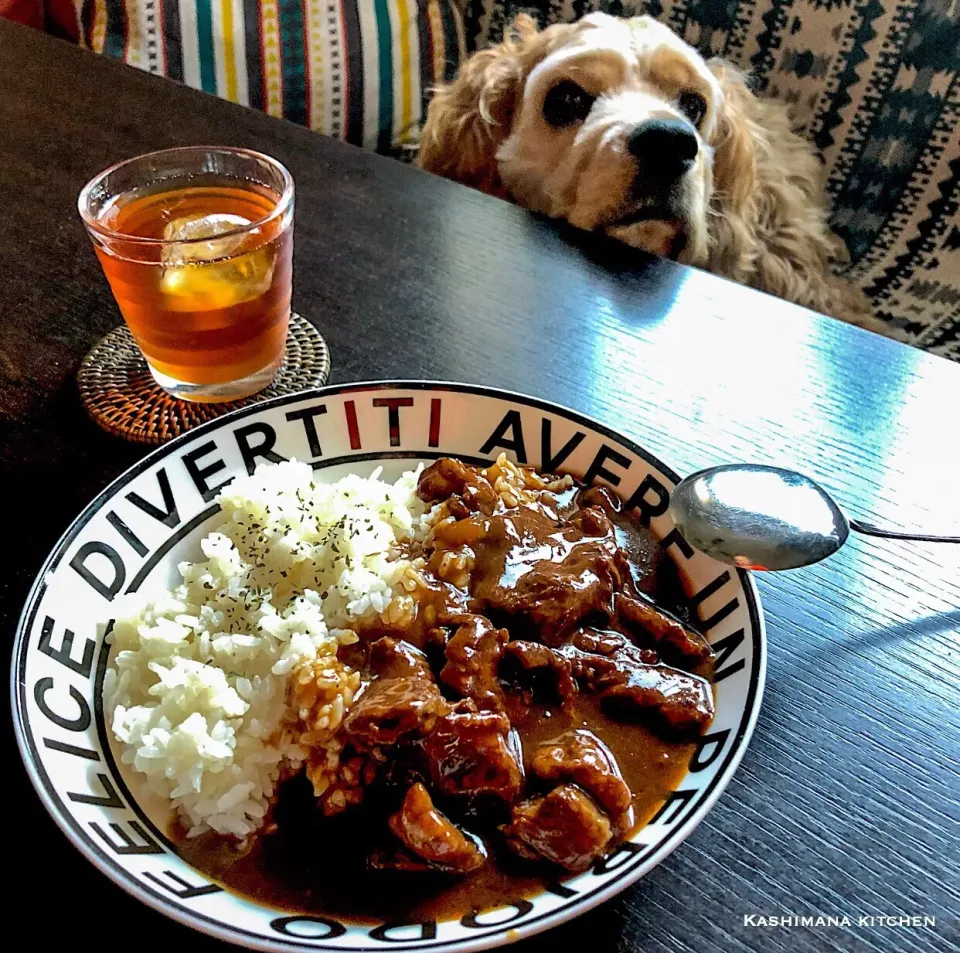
{"x": 751, "y": 207}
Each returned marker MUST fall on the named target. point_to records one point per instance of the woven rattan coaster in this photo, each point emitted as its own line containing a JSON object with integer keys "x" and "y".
{"x": 122, "y": 397}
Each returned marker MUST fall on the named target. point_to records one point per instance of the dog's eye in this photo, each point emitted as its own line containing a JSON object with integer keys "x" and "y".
{"x": 566, "y": 104}
{"x": 693, "y": 106}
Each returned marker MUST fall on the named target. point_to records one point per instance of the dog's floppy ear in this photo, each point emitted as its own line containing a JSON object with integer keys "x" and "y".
{"x": 769, "y": 227}
{"x": 737, "y": 139}
{"x": 469, "y": 119}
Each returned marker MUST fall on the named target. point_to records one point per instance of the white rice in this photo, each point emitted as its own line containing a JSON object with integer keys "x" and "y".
{"x": 196, "y": 693}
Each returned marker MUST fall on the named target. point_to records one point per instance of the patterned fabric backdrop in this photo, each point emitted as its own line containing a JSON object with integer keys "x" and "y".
{"x": 876, "y": 87}
{"x": 360, "y": 70}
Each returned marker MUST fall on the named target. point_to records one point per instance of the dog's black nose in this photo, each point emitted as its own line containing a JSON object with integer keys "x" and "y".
{"x": 665, "y": 148}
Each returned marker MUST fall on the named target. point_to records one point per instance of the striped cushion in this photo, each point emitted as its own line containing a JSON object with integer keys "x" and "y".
{"x": 360, "y": 70}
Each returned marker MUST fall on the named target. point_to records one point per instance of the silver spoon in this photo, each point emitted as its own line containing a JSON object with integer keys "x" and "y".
{"x": 758, "y": 517}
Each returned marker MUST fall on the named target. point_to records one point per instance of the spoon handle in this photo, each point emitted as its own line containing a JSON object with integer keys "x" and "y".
{"x": 867, "y": 530}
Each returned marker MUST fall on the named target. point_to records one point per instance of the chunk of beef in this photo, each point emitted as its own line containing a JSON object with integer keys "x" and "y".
{"x": 598, "y": 657}
{"x": 580, "y": 756}
{"x": 565, "y": 826}
{"x": 394, "y": 658}
{"x": 525, "y": 562}
{"x": 549, "y": 579}
{"x": 475, "y": 753}
{"x": 612, "y": 645}
{"x": 430, "y": 835}
{"x": 473, "y": 660}
{"x": 536, "y": 658}
{"x": 556, "y": 596}
{"x": 390, "y": 708}
{"x": 681, "y": 703}
{"x": 448, "y": 478}
{"x": 633, "y": 683}
{"x": 662, "y": 627}
{"x": 593, "y": 672}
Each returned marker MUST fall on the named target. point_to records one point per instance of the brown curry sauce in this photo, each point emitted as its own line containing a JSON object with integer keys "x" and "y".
{"x": 314, "y": 864}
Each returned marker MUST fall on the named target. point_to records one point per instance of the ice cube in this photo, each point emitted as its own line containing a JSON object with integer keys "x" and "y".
{"x": 202, "y": 275}
{"x": 207, "y": 226}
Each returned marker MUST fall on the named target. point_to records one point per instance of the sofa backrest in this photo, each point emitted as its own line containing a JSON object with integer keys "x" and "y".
{"x": 360, "y": 70}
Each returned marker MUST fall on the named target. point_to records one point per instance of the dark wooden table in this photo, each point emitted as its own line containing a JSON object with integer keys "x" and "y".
{"x": 847, "y": 801}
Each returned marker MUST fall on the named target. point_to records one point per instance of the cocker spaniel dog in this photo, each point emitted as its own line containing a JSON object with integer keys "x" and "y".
{"x": 620, "y": 126}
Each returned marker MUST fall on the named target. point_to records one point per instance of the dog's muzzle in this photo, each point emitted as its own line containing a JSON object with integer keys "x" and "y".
{"x": 665, "y": 151}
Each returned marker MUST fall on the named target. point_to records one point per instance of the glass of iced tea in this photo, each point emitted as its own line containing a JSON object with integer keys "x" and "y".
{"x": 197, "y": 244}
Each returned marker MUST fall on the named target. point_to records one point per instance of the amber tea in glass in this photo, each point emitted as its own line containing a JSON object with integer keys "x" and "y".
{"x": 197, "y": 245}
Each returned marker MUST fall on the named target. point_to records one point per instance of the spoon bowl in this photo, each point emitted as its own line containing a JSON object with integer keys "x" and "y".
{"x": 758, "y": 517}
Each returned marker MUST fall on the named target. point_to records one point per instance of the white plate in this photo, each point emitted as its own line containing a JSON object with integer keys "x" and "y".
{"x": 132, "y": 536}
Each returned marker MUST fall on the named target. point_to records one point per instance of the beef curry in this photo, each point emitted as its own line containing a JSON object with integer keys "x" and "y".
{"x": 536, "y": 709}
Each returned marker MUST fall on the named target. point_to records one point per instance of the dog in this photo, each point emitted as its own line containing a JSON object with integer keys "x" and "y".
{"x": 618, "y": 125}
